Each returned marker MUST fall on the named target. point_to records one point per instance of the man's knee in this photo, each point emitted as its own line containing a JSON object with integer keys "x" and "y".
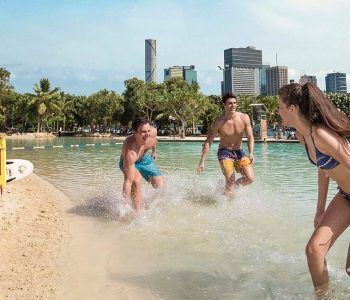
{"x": 157, "y": 181}
{"x": 249, "y": 179}
{"x": 230, "y": 179}
{"x": 136, "y": 182}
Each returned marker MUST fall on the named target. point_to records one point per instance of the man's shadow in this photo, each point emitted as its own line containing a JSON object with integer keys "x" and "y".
{"x": 99, "y": 207}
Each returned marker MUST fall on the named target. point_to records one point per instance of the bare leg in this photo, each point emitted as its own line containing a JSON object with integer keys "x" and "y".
{"x": 228, "y": 171}
{"x": 157, "y": 181}
{"x": 247, "y": 176}
{"x": 136, "y": 191}
{"x": 332, "y": 225}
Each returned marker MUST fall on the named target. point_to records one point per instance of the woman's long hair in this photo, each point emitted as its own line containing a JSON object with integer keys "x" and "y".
{"x": 315, "y": 106}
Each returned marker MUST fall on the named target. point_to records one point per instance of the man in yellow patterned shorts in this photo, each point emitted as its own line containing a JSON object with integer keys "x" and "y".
{"x": 231, "y": 127}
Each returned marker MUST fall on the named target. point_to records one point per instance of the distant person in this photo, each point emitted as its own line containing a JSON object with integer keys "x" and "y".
{"x": 280, "y": 133}
{"x": 231, "y": 127}
{"x": 136, "y": 162}
{"x": 60, "y": 132}
{"x": 323, "y": 130}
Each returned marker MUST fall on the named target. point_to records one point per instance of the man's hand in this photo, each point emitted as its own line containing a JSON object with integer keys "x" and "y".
{"x": 154, "y": 155}
{"x": 200, "y": 167}
{"x": 251, "y": 158}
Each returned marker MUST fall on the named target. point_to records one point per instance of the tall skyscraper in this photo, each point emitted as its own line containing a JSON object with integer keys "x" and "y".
{"x": 336, "y": 83}
{"x": 307, "y": 78}
{"x": 150, "y": 60}
{"x": 276, "y": 77}
{"x": 188, "y": 73}
{"x": 241, "y": 70}
{"x": 242, "y": 81}
{"x": 262, "y": 78}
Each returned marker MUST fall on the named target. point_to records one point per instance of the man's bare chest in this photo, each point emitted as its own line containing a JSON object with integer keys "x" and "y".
{"x": 231, "y": 129}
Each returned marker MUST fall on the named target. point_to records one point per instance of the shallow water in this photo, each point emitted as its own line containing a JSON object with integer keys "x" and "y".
{"x": 190, "y": 242}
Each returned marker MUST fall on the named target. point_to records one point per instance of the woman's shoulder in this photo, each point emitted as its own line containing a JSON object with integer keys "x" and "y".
{"x": 323, "y": 132}
{"x": 325, "y": 137}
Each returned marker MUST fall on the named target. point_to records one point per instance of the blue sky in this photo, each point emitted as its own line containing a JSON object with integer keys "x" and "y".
{"x": 84, "y": 45}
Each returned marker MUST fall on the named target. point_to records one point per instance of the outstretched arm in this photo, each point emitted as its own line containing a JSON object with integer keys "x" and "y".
{"x": 250, "y": 138}
{"x": 207, "y": 144}
{"x": 323, "y": 183}
{"x": 154, "y": 138}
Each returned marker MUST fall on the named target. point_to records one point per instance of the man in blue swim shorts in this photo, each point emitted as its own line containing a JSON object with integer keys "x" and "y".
{"x": 231, "y": 127}
{"x": 136, "y": 162}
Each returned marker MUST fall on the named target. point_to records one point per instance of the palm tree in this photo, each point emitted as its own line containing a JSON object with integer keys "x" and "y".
{"x": 45, "y": 101}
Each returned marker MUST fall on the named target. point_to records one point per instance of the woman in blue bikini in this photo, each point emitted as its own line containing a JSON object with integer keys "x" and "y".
{"x": 323, "y": 130}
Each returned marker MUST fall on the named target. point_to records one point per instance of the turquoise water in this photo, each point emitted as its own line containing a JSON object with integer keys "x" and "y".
{"x": 191, "y": 242}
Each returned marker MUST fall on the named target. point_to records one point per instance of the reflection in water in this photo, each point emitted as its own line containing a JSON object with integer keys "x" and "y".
{"x": 190, "y": 241}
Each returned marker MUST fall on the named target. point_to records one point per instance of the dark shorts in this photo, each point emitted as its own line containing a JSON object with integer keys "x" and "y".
{"x": 344, "y": 194}
{"x": 232, "y": 160}
{"x": 145, "y": 166}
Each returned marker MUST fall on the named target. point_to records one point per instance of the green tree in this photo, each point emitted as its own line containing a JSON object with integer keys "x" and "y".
{"x": 212, "y": 111}
{"x": 131, "y": 95}
{"x": 104, "y": 108}
{"x": 148, "y": 100}
{"x": 244, "y": 104}
{"x": 183, "y": 102}
{"x": 341, "y": 101}
{"x": 45, "y": 101}
{"x": 7, "y": 99}
{"x": 5, "y": 79}
{"x": 271, "y": 103}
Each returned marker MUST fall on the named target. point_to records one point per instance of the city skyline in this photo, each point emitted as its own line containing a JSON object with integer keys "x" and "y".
{"x": 87, "y": 45}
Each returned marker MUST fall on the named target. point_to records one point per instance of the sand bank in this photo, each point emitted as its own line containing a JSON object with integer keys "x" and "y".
{"x": 29, "y": 136}
{"x": 51, "y": 248}
{"x": 33, "y": 231}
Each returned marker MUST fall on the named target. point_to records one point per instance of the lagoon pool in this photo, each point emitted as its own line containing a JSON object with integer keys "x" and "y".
{"x": 191, "y": 242}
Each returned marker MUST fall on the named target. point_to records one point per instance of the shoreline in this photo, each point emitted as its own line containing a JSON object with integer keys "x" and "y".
{"x": 34, "y": 232}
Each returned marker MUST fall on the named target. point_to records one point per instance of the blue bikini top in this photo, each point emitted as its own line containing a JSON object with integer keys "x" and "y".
{"x": 323, "y": 161}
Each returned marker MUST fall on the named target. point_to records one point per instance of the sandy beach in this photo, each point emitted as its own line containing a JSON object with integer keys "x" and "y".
{"x": 46, "y": 250}
{"x": 33, "y": 231}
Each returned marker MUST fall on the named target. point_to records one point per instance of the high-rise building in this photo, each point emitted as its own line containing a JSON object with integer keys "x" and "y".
{"x": 175, "y": 71}
{"x": 190, "y": 74}
{"x": 241, "y": 70}
{"x": 307, "y": 78}
{"x": 276, "y": 77}
{"x": 150, "y": 60}
{"x": 336, "y": 83}
{"x": 248, "y": 57}
{"x": 187, "y": 73}
{"x": 262, "y": 78}
{"x": 242, "y": 81}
